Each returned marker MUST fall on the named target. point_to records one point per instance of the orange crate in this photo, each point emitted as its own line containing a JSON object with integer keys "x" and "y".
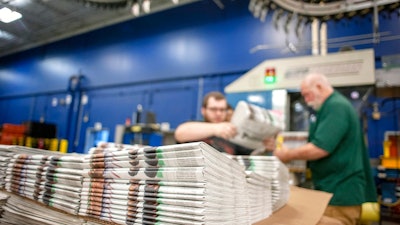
{"x": 13, "y": 128}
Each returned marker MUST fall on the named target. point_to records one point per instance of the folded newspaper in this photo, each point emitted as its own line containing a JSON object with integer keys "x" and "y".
{"x": 254, "y": 124}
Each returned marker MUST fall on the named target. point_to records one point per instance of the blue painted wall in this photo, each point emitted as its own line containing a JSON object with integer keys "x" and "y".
{"x": 389, "y": 109}
{"x": 165, "y": 61}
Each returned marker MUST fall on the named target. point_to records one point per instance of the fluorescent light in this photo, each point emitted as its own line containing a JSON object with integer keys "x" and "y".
{"x": 136, "y": 9}
{"x": 7, "y": 15}
{"x": 146, "y": 6}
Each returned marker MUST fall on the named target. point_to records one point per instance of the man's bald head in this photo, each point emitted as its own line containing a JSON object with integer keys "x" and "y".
{"x": 315, "y": 89}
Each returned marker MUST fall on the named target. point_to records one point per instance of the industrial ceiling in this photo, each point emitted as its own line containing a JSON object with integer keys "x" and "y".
{"x": 46, "y": 21}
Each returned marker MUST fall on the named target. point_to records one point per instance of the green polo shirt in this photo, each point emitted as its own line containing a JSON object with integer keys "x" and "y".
{"x": 346, "y": 171}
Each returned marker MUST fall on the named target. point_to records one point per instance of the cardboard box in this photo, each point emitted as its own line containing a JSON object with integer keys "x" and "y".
{"x": 305, "y": 207}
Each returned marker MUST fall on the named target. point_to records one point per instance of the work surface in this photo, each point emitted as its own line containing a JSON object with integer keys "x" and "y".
{"x": 305, "y": 207}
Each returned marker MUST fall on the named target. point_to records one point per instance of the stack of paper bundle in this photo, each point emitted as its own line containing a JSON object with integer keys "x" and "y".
{"x": 5, "y": 155}
{"x": 62, "y": 183}
{"x": 259, "y": 189}
{"x": 242, "y": 203}
{"x": 3, "y": 201}
{"x": 20, "y": 177}
{"x": 21, "y": 174}
{"x": 53, "y": 180}
{"x": 18, "y": 211}
{"x": 273, "y": 169}
{"x": 176, "y": 184}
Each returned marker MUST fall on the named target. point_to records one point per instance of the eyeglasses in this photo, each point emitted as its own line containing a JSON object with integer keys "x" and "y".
{"x": 212, "y": 109}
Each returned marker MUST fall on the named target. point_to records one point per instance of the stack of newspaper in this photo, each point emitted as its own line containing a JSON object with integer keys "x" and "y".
{"x": 5, "y": 156}
{"x": 53, "y": 180}
{"x": 129, "y": 184}
{"x": 259, "y": 189}
{"x": 63, "y": 183}
{"x": 3, "y": 201}
{"x": 14, "y": 171}
{"x": 273, "y": 169}
{"x": 176, "y": 184}
{"x": 18, "y": 211}
{"x": 21, "y": 174}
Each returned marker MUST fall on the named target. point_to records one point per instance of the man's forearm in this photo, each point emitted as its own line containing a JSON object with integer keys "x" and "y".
{"x": 194, "y": 131}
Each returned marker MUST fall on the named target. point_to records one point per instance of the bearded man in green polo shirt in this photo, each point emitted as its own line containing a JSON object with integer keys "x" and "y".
{"x": 336, "y": 151}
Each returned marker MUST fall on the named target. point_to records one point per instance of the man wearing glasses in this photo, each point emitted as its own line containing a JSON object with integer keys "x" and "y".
{"x": 214, "y": 130}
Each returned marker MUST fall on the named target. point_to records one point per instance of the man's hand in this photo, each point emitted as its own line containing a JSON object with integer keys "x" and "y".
{"x": 269, "y": 144}
{"x": 283, "y": 154}
{"x": 277, "y": 148}
{"x": 224, "y": 130}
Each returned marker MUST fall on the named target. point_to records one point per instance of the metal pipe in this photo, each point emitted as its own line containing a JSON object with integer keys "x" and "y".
{"x": 323, "y": 38}
{"x": 315, "y": 37}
